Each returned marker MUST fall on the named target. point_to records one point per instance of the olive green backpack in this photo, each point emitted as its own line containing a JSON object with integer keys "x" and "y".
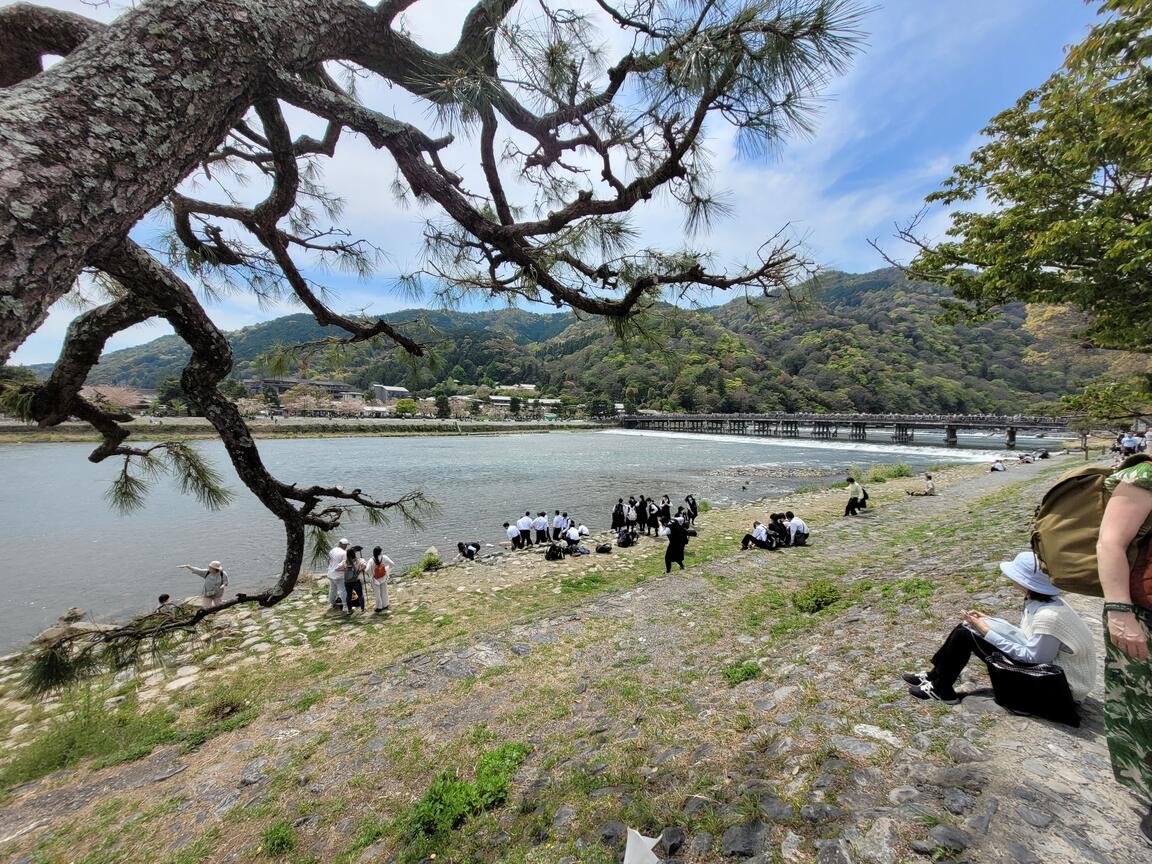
{"x": 1067, "y": 525}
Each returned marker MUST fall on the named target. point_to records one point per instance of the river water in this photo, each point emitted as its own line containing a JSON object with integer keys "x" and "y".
{"x": 61, "y": 546}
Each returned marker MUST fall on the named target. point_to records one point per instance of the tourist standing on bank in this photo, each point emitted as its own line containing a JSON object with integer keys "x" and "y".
{"x": 653, "y": 515}
{"x": 337, "y": 594}
{"x": 540, "y": 526}
{"x": 855, "y": 497}
{"x": 693, "y": 510}
{"x": 557, "y": 526}
{"x": 524, "y": 526}
{"x": 378, "y": 571}
{"x": 630, "y": 515}
{"x": 215, "y": 581}
{"x": 642, "y": 514}
{"x": 354, "y": 569}
{"x": 513, "y": 535}
{"x": 665, "y": 514}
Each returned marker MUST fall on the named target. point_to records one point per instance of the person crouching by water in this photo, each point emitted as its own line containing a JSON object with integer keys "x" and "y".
{"x": 378, "y": 570}
{"x": 1050, "y": 632}
{"x": 215, "y": 581}
{"x": 513, "y": 534}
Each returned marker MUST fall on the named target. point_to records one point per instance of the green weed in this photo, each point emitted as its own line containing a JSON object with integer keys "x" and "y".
{"x": 738, "y": 673}
{"x": 815, "y": 596}
{"x": 279, "y": 838}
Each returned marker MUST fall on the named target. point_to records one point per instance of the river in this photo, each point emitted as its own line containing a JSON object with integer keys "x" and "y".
{"x": 62, "y": 546}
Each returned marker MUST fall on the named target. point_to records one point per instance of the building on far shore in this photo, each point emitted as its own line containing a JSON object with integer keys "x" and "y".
{"x": 257, "y": 386}
{"x": 386, "y": 394}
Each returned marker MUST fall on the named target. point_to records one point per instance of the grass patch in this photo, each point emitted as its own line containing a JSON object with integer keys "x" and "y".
{"x": 279, "y": 838}
{"x": 815, "y": 596}
{"x": 429, "y": 562}
{"x": 91, "y": 731}
{"x": 583, "y": 584}
{"x": 738, "y": 673}
{"x": 451, "y": 801}
{"x": 307, "y": 701}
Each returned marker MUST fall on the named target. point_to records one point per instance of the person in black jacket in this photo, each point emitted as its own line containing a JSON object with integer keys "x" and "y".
{"x": 677, "y": 539}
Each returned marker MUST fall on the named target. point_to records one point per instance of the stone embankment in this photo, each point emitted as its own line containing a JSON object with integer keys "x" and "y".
{"x": 701, "y": 706}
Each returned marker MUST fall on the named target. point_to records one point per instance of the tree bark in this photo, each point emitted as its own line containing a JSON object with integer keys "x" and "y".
{"x": 90, "y": 145}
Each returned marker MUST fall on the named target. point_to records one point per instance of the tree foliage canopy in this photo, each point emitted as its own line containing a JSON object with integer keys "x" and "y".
{"x": 184, "y": 110}
{"x": 1067, "y": 174}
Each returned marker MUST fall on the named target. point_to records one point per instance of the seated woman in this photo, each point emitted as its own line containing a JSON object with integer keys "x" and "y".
{"x": 1050, "y": 632}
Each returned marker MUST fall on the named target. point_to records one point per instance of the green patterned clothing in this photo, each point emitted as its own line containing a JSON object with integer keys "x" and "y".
{"x": 1128, "y": 682}
{"x": 1128, "y": 713}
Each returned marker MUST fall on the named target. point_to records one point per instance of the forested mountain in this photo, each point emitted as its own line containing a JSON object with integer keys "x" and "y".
{"x": 865, "y": 342}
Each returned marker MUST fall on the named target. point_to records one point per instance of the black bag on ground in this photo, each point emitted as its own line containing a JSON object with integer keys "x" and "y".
{"x": 604, "y": 548}
{"x": 554, "y": 552}
{"x": 1041, "y": 690}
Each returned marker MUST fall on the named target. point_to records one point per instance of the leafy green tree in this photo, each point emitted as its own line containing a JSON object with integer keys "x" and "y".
{"x": 443, "y": 407}
{"x": 1110, "y": 406}
{"x": 406, "y": 408}
{"x": 1067, "y": 171}
{"x": 514, "y": 406}
{"x": 475, "y": 407}
{"x": 233, "y": 389}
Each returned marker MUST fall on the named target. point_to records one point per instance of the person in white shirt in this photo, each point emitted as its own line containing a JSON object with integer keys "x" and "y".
{"x": 540, "y": 526}
{"x": 758, "y": 537}
{"x": 337, "y": 593}
{"x": 524, "y": 526}
{"x": 572, "y": 535}
{"x": 379, "y": 566}
{"x": 797, "y": 529}
{"x": 855, "y": 497}
{"x": 582, "y": 530}
{"x": 558, "y": 525}
{"x": 215, "y": 581}
{"x": 929, "y": 487}
{"x": 514, "y": 535}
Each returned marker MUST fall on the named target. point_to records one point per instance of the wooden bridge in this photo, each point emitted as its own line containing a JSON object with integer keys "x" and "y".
{"x": 854, "y": 426}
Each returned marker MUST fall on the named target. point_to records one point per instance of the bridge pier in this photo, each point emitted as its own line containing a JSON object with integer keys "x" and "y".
{"x": 1010, "y": 438}
{"x": 824, "y": 430}
{"x": 903, "y": 433}
{"x": 858, "y": 432}
{"x": 789, "y": 429}
{"x": 950, "y": 436}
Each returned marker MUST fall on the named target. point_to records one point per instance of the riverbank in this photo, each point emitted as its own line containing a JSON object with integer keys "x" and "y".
{"x": 198, "y": 429}
{"x": 704, "y": 702}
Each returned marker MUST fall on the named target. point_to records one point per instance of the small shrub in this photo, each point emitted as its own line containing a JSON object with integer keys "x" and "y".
{"x": 703, "y": 506}
{"x": 815, "y": 596}
{"x": 279, "y": 838}
{"x": 738, "y": 673}
{"x": 430, "y": 562}
{"x": 307, "y": 701}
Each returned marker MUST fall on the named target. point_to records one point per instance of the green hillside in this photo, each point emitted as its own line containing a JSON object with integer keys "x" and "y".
{"x": 867, "y": 342}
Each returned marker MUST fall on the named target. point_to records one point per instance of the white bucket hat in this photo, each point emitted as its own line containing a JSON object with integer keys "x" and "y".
{"x": 1025, "y": 570}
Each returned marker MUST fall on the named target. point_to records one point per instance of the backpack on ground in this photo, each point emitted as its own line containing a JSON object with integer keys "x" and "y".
{"x": 554, "y": 552}
{"x": 1067, "y": 525}
{"x": 604, "y": 548}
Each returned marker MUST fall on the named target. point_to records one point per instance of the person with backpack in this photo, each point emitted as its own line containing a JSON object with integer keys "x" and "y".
{"x": 630, "y": 515}
{"x": 1127, "y": 590}
{"x": 379, "y": 573}
{"x": 1050, "y": 632}
{"x": 355, "y": 568}
{"x": 215, "y": 581}
{"x": 855, "y": 498}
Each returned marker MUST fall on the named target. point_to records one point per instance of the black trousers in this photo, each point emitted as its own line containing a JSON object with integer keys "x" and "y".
{"x": 853, "y": 506}
{"x": 542, "y": 535}
{"x": 673, "y": 555}
{"x": 525, "y": 537}
{"x": 800, "y": 539}
{"x": 954, "y": 654}
{"x": 749, "y": 540}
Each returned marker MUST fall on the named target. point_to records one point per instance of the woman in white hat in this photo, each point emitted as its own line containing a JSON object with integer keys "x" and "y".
{"x": 1050, "y": 631}
{"x": 215, "y": 581}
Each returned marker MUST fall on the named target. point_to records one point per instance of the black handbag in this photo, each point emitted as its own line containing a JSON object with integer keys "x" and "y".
{"x": 1041, "y": 690}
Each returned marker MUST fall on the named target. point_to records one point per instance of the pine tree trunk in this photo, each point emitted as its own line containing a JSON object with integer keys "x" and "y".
{"x": 93, "y": 143}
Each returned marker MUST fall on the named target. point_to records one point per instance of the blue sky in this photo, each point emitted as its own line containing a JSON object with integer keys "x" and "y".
{"x": 930, "y": 76}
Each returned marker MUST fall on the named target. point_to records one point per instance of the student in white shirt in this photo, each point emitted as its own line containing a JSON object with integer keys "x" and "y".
{"x": 514, "y": 535}
{"x": 797, "y": 529}
{"x": 558, "y": 526}
{"x": 758, "y": 537}
{"x": 337, "y": 593}
{"x": 524, "y": 525}
{"x": 540, "y": 526}
{"x": 572, "y": 535}
{"x": 379, "y": 566}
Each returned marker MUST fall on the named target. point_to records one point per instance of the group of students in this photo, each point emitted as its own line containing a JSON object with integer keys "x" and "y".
{"x": 646, "y": 515}
{"x": 562, "y": 527}
{"x": 783, "y": 529}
